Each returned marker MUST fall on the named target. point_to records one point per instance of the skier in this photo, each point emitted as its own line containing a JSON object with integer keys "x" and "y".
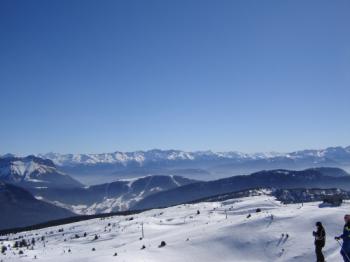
{"x": 345, "y": 248}
{"x": 320, "y": 241}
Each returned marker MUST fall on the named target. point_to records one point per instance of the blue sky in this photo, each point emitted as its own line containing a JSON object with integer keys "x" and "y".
{"x": 99, "y": 76}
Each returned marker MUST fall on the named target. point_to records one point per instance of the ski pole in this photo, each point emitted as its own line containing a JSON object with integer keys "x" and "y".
{"x": 347, "y": 257}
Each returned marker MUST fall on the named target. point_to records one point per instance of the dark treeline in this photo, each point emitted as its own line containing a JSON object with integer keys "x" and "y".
{"x": 66, "y": 221}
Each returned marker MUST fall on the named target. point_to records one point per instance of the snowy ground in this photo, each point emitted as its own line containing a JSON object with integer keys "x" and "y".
{"x": 190, "y": 237}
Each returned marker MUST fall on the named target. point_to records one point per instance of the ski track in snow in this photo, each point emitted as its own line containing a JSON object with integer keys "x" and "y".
{"x": 189, "y": 237}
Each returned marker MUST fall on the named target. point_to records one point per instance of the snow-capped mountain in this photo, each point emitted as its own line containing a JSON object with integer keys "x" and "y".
{"x": 33, "y": 171}
{"x": 151, "y": 156}
{"x": 225, "y": 231}
{"x": 208, "y": 165}
{"x": 110, "y": 197}
{"x": 122, "y": 158}
{"x": 20, "y": 208}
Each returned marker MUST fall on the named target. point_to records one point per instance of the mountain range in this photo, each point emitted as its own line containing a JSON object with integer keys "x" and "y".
{"x": 33, "y": 190}
{"x": 45, "y": 179}
{"x": 279, "y": 179}
{"x": 144, "y": 158}
{"x": 202, "y": 165}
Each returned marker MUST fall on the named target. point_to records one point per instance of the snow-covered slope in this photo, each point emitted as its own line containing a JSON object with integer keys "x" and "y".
{"x": 33, "y": 171}
{"x": 221, "y": 231}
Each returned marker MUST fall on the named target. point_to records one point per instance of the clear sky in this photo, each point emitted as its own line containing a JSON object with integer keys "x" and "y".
{"x": 99, "y": 76}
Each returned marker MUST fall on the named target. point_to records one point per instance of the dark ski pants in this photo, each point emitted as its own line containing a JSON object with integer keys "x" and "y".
{"x": 319, "y": 254}
{"x": 345, "y": 255}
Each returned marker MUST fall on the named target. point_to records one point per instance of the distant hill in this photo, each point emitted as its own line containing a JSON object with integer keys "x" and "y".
{"x": 109, "y": 197}
{"x": 286, "y": 196}
{"x": 331, "y": 171}
{"x": 20, "y": 208}
{"x": 309, "y": 178}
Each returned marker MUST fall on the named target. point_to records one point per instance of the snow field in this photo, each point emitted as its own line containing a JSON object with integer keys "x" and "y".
{"x": 207, "y": 236}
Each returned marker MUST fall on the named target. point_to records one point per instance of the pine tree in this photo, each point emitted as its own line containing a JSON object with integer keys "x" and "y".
{"x": 16, "y": 244}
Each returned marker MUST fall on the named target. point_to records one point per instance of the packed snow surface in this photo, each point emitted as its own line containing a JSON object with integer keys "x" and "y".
{"x": 220, "y": 231}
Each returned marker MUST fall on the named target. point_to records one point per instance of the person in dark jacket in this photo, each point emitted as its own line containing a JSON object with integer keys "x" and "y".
{"x": 345, "y": 250}
{"x": 320, "y": 241}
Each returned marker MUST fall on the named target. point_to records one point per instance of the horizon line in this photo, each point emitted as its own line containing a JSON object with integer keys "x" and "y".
{"x": 180, "y": 150}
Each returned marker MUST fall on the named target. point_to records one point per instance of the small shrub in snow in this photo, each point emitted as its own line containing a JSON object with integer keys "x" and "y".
{"x": 20, "y": 252}
{"x": 143, "y": 247}
{"x": 162, "y": 244}
{"x": 3, "y": 249}
{"x": 93, "y": 249}
{"x": 258, "y": 210}
{"x": 96, "y": 237}
{"x": 23, "y": 243}
{"x": 115, "y": 254}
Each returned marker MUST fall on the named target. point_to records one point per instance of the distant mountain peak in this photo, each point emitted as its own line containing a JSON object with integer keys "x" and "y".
{"x": 33, "y": 171}
{"x": 157, "y": 155}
